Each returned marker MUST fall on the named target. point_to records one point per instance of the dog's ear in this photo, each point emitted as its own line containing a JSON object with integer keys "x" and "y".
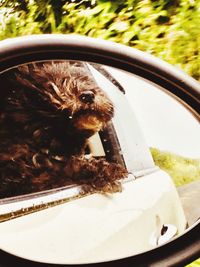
{"x": 5, "y": 85}
{"x": 22, "y": 76}
{"x": 31, "y": 76}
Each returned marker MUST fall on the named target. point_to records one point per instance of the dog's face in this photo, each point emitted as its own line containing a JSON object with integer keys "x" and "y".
{"x": 70, "y": 89}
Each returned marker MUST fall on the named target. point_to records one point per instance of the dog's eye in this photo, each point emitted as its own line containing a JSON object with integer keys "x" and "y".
{"x": 87, "y": 97}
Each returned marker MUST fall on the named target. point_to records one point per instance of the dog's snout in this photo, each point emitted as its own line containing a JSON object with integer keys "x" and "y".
{"x": 87, "y": 97}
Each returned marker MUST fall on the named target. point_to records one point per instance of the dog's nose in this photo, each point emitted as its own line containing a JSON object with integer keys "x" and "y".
{"x": 87, "y": 97}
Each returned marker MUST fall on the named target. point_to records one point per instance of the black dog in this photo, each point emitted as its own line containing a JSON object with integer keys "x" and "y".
{"x": 47, "y": 113}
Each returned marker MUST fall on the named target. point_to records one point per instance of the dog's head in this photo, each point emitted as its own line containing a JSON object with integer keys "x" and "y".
{"x": 70, "y": 89}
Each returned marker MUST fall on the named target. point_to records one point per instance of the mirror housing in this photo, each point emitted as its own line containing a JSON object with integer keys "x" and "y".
{"x": 49, "y": 47}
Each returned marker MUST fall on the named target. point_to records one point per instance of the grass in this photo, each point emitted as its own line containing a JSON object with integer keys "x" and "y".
{"x": 182, "y": 170}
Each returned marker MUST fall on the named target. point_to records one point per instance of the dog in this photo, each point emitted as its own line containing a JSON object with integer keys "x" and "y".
{"x": 48, "y": 110}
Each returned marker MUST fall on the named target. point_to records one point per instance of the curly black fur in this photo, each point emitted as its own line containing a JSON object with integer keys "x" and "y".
{"x": 47, "y": 113}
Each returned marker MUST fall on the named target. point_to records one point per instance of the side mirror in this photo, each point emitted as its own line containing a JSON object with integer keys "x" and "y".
{"x": 71, "y": 134}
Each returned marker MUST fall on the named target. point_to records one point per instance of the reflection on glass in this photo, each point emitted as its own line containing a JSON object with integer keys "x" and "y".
{"x": 69, "y": 128}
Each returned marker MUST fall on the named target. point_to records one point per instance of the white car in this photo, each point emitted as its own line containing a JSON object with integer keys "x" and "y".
{"x": 97, "y": 227}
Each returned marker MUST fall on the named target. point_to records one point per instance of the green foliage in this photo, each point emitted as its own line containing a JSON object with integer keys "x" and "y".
{"x": 194, "y": 264}
{"x": 166, "y": 28}
{"x": 182, "y": 170}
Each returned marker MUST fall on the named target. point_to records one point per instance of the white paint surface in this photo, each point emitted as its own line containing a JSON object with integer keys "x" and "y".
{"x": 98, "y": 227}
